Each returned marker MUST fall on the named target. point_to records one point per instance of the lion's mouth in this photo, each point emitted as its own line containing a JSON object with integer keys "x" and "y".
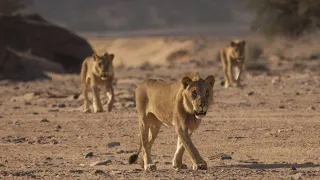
{"x": 239, "y": 59}
{"x": 104, "y": 78}
{"x": 200, "y": 114}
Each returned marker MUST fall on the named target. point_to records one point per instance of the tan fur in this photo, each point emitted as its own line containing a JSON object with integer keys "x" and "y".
{"x": 181, "y": 104}
{"x": 233, "y": 56}
{"x": 97, "y": 71}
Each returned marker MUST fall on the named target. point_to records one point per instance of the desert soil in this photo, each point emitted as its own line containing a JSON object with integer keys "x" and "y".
{"x": 269, "y": 128}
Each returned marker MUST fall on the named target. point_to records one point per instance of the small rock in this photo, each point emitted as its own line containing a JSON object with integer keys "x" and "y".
{"x": 281, "y": 106}
{"x": 275, "y": 80}
{"x": 250, "y": 93}
{"x": 1, "y": 117}
{"x": 297, "y": 93}
{"x": 59, "y": 127}
{"x": 116, "y": 172}
{"x": 125, "y": 151}
{"x": 35, "y": 113}
{"x": 54, "y": 142}
{"x": 19, "y": 140}
{"x": 101, "y": 163}
{"x": 53, "y": 110}
{"x": 312, "y": 108}
{"x": 61, "y": 105}
{"x": 120, "y": 152}
{"x": 135, "y": 170}
{"x": 113, "y": 144}
{"x": 16, "y": 107}
{"x": 293, "y": 168}
{"x": 44, "y": 120}
{"x": 27, "y": 103}
{"x": 76, "y": 171}
{"x": 48, "y": 158}
{"x": 99, "y": 172}
{"x": 89, "y": 155}
{"x": 225, "y": 156}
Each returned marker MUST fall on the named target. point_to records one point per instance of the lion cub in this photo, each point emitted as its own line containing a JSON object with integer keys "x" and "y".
{"x": 233, "y": 56}
{"x": 97, "y": 71}
{"x": 181, "y": 104}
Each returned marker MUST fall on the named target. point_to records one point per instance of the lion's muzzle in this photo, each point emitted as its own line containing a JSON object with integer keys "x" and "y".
{"x": 104, "y": 76}
{"x": 200, "y": 114}
{"x": 240, "y": 59}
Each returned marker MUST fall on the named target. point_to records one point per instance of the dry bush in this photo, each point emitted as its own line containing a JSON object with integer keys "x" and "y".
{"x": 8, "y": 7}
{"x": 304, "y": 48}
{"x": 290, "y": 18}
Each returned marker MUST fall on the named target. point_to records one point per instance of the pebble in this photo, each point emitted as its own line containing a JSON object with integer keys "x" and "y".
{"x": 101, "y": 163}
{"x": 89, "y": 155}
{"x": 225, "y": 156}
{"x": 44, "y": 120}
{"x": 113, "y": 144}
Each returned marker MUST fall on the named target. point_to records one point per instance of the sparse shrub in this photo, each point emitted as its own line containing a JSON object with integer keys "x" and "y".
{"x": 253, "y": 52}
{"x": 291, "y": 18}
{"x": 8, "y": 7}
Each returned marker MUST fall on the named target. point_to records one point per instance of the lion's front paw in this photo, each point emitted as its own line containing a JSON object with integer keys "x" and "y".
{"x": 150, "y": 167}
{"x": 239, "y": 86}
{"x": 178, "y": 167}
{"x": 98, "y": 110}
{"x": 109, "y": 108}
{"x": 87, "y": 110}
{"x": 200, "y": 166}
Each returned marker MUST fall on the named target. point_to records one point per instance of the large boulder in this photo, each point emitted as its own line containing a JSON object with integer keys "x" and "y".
{"x": 33, "y": 34}
{"x": 24, "y": 67}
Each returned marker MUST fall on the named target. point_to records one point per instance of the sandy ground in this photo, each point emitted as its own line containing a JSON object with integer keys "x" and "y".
{"x": 268, "y": 128}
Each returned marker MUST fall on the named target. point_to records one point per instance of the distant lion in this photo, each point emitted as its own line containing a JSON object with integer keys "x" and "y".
{"x": 233, "y": 56}
{"x": 97, "y": 71}
{"x": 181, "y": 104}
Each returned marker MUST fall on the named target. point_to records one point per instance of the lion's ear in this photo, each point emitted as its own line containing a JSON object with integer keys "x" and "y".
{"x": 111, "y": 56}
{"x": 106, "y": 54}
{"x": 210, "y": 80}
{"x": 233, "y": 44}
{"x": 186, "y": 81}
{"x": 95, "y": 56}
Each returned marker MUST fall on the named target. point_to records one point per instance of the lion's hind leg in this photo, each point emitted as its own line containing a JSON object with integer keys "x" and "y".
{"x": 149, "y": 129}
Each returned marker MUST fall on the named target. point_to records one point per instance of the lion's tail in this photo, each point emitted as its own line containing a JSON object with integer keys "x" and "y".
{"x": 134, "y": 157}
{"x": 83, "y": 75}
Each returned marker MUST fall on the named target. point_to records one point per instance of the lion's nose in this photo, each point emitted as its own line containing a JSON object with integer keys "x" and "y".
{"x": 104, "y": 75}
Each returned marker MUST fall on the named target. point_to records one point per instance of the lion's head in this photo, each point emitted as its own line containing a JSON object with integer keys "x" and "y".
{"x": 238, "y": 52}
{"x": 197, "y": 94}
{"x": 102, "y": 65}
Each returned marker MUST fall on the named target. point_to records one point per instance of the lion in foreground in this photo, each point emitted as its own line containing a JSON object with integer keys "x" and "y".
{"x": 181, "y": 104}
{"x": 97, "y": 71}
{"x": 233, "y": 56}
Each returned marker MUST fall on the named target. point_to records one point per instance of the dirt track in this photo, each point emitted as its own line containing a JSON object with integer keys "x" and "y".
{"x": 268, "y": 127}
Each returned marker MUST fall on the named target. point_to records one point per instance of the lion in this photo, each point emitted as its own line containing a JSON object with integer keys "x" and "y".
{"x": 97, "y": 71}
{"x": 181, "y": 104}
{"x": 233, "y": 56}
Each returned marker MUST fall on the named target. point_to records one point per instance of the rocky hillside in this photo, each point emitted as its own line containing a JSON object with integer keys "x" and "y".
{"x": 102, "y": 15}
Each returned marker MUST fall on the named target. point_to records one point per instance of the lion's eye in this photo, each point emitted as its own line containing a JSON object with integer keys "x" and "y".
{"x": 194, "y": 94}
